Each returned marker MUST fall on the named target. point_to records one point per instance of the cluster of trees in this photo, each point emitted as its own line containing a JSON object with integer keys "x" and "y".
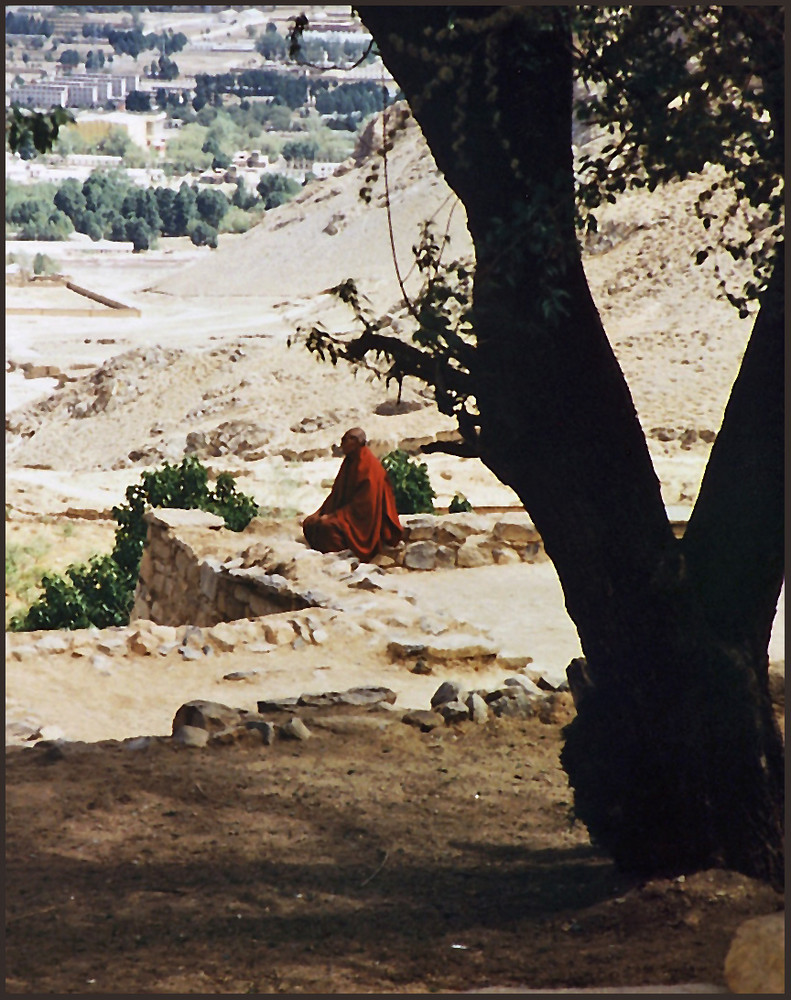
{"x": 32, "y": 215}
{"x": 209, "y": 88}
{"x": 362, "y": 98}
{"x": 134, "y": 42}
{"x": 108, "y": 206}
{"x": 27, "y": 24}
{"x": 276, "y": 189}
{"x": 163, "y": 68}
{"x": 69, "y": 57}
{"x": 94, "y": 60}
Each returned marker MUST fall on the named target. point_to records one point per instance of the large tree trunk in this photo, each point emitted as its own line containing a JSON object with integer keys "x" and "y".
{"x": 674, "y": 757}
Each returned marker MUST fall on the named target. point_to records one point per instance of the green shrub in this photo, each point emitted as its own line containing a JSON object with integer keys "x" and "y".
{"x": 410, "y": 482}
{"x": 459, "y": 504}
{"x": 101, "y": 593}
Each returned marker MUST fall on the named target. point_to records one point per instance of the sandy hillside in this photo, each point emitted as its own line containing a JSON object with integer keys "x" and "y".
{"x": 208, "y": 349}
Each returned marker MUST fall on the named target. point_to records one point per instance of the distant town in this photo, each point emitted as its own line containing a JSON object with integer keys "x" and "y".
{"x": 170, "y": 95}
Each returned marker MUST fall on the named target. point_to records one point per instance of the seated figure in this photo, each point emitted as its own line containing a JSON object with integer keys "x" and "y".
{"x": 360, "y": 512}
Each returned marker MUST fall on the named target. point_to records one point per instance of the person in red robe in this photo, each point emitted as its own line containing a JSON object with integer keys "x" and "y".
{"x": 360, "y": 512}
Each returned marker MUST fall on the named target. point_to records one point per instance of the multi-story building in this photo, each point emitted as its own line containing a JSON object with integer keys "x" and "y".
{"x": 45, "y": 95}
{"x": 80, "y": 90}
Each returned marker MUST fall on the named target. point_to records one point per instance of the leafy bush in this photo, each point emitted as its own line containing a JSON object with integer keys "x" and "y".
{"x": 459, "y": 504}
{"x": 101, "y": 593}
{"x": 410, "y": 482}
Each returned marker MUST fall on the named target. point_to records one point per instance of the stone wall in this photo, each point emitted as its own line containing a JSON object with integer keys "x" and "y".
{"x": 180, "y": 582}
{"x": 464, "y": 541}
{"x": 194, "y": 571}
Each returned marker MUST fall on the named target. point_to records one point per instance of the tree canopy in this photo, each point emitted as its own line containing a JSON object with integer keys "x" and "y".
{"x": 674, "y": 755}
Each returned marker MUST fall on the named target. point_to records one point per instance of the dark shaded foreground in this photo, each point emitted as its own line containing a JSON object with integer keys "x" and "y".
{"x": 384, "y": 861}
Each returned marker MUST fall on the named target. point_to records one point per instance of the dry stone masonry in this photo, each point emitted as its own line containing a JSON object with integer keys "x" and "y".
{"x": 182, "y": 579}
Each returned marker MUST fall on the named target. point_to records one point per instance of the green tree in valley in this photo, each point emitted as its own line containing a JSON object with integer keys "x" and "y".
{"x": 674, "y": 756}
{"x": 276, "y": 189}
{"x": 139, "y": 233}
{"x": 212, "y": 206}
{"x": 203, "y": 235}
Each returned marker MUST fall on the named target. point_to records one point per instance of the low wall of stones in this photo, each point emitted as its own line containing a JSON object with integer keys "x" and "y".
{"x": 186, "y": 577}
{"x": 179, "y": 583}
{"x": 442, "y": 541}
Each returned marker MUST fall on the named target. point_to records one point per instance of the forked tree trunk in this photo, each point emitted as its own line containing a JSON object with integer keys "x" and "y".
{"x": 674, "y": 756}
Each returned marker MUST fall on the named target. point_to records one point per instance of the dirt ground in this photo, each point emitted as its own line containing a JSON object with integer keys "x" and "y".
{"x": 362, "y": 860}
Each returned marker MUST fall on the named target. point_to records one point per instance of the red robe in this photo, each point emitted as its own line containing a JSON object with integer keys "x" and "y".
{"x": 362, "y": 504}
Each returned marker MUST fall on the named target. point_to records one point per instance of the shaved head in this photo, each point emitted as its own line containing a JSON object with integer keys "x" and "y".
{"x": 357, "y": 433}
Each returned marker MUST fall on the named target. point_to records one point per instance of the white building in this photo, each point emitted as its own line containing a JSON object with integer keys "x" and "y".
{"x": 80, "y": 90}
{"x": 39, "y": 95}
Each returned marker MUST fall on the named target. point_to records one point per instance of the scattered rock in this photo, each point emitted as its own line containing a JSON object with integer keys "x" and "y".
{"x": 208, "y": 715}
{"x": 350, "y": 725}
{"x": 264, "y": 729}
{"x": 420, "y": 667}
{"x": 524, "y": 682}
{"x": 142, "y": 643}
{"x": 447, "y": 692}
{"x": 294, "y": 729}
{"x": 358, "y": 696}
{"x": 240, "y": 675}
{"x": 190, "y": 736}
{"x": 477, "y": 708}
{"x": 190, "y": 653}
{"x": 453, "y": 711}
{"x": 277, "y": 705}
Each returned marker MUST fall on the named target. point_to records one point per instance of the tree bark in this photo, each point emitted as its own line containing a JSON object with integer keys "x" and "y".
{"x": 673, "y": 755}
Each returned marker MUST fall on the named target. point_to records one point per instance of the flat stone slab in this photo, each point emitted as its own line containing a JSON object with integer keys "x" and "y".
{"x": 456, "y": 646}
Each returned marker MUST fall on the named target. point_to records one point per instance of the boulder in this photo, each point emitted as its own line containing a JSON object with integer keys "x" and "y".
{"x": 358, "y": 697}
{"x": 52, "y": 642}
{"x": 294, "y": 729}
{"x": 143, "y": 643}
{"x": 265, "y": 731}
{"x": 511, "y": 701}
{"x": 208, "y": 715}
{"x": 190, "y": 736}
{"x": 517, "y": 529}
{"x": 453, "y": 711}
{"x": 420, "y": 555}
{"x": 477, "y": 708}
{"x": 445, "y": 557}
{"x": 419, "y": 527}
{"x": 755, "y": 962}
{"x": 520, "y": 680}
{"x": 420, "y": 667}
{"x": 471, "y": 555}
{"x": 447, "y": 692}
{"x": 505, "y": 555}
{"x": 223, "y": 637}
